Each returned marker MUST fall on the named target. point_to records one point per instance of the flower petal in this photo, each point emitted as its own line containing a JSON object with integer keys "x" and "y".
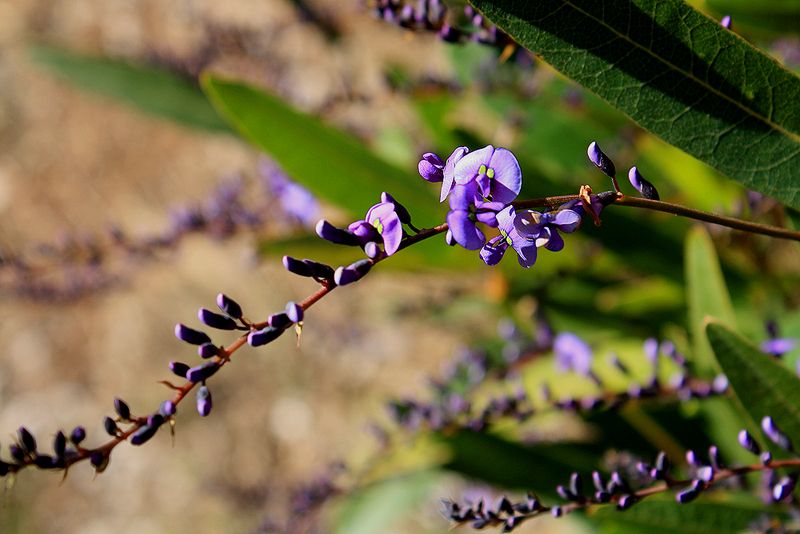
{"x": 492, "y": 252}
{"x": 488, "y": 218}
{"x": 463, "y": 197}
{"x": 567, "y": 220}
{"x": 507, "y": 176}
{"x": 556, "y": 242}
{"x": 448, "y": 174}
{"x": 526, "y": 253}
{"x": 392, "y": 233}
{"x": 464, "y": 230}
{"x": 467, "y": 168}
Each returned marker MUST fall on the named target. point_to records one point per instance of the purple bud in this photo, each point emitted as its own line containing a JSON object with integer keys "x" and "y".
{"x": 600, "y": 160}
{"x": 279, "y": 320}
{"x": 143, "y": 435}
{"x": 662, "y": 462}
{"x": 575, "y": 484}
{"x": 399, "y": 209}
{"x": 207, "y": 350}
{"x": 99, "y": 460}
{"x": 263, "y": 336}
{"x": 294, "y": 311}
{"x": 644, "y": 187}
{"x": 602, "y": 496}
{"x": 352, "y": 273}
{"x": 77, "y": 435}
{"x": 690, "y": 493}
{"x": 110, "y": 427}
{"x": 564, "y": 493}
{"x": 204, "y": 403}
{"x": 215, "y": 320}
{"x": 705, "y": 473}
{"x": 765, "y": 458}
{"x": 783, "y": 488}
{"x": 17, "y": 452}
{"x": 190, "y": 335}
{"x": 713, "y": 456}
{"x": 60, "y": 444}
{"x": 167, "y": 408}
{"x": 691, "y": 458}
{"x": 597, "y": 479}
{"x": 626, "y": 501}
{"x": 556, "y": 511}
{"x": 431, "y": 167}
{"x": 748, "y": 443}
{"x": 336, "y": 235}
{"x": 726, "y": 22}
{"x": 155, "y": 420}
{"x": 44, "y": 461}
{"x": 122, "y": 409}
{"x": 27, "y": 440}
{"x": 371, "y": 250}
{"x": 202, "y": 372}
{"x": 720, "y": 384}
{"x": 308, "y": 268}
{"x": 229, "y": 306}
{"x": 774, "y": 433}
{"x": 179, "y": 368}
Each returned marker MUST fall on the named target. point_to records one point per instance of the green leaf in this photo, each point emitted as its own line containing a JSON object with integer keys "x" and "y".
{"x": 706, "y": 295}
{"x": 332, "y": 164}
{"x": 762, "y": 385}
{"x": 662, "y": 515}
{"x": 772, "y": 15}
{"x": 511, "y": 465}
{"x": 375, "y": 507}
{"x": 154, "y": 91}
{"x": 678, "y": 74}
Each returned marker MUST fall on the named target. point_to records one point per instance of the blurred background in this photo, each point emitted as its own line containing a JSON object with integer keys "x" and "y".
{"x": 119, "y": 219}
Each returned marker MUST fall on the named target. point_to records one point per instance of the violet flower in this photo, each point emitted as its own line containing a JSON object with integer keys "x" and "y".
{"x": 496, "y": 172}
{"x": 572, "y": 354}
{"x": 528, "y": 230}
{"x": 382, "y": 223}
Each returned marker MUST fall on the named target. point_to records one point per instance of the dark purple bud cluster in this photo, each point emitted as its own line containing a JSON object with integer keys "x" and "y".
{"x": 77, "y": 266}
{"x": 451, "y": 26}
{"x": 604, "y": 163}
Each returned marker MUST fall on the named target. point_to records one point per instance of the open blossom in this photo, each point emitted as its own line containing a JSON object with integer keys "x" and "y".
{"x": 382, "y": 223}
{"x": 479, "y": 185}
{"x": 528, "y": 230}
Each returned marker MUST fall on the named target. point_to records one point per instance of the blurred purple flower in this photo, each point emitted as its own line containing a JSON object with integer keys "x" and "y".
{"x": 572, "y": 354}
{"x": 296, "y": 201}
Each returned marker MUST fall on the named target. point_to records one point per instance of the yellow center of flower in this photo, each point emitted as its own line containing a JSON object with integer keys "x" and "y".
{"x": 378, "y": 225}
{"x": 506, "y": 237}
{"x": 488, "y": 171}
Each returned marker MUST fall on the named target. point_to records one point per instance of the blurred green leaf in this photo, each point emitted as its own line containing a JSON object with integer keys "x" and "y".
{"x": 375, "y": 507}
{"x": 662, "y": 515}
{"x": 762, "y": 385}
{"x": 504, "y": 463}
{"x": 677, "y": 73}
{"x": 706, "y": 295}
{"x": 770, "y": 15}
{"x": 332, "y": 164}
{"x": 152, "y": 90}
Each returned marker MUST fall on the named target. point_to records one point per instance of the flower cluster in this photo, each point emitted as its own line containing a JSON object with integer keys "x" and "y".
{"x": 626, "y": 488}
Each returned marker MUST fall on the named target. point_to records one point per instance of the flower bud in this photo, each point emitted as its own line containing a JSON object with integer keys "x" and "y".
{"x": 190, "y": 335}
{"x": 110, "y": 426}
{"x": 229, "y": 306}
{"x": 215, "y": 320}
{"x": 60, "y": 444}
{"x": 748, "y": 443}
{"x": 202, "y": 372}
{"x": 179, "y": 368}
{"x": 207, "y": 350}
{"x": 352, "y": 273}
{"x": 294, "y": 311}
{"x": 143, "y": 435}
{"x": 600, "y": 160}
{"x": 167, "y": 408}
{"x": 27, "y": 440}
{"x": 431, "y": 167}
{"x": 122, "y": 409}
{"x": 399, "y": 209}
{"x": 336, "y": 235}
{"x": 204, "y": 403}
{"x": 263, "y": 336}
{"x": 77, "y": 435}
{"x": 774, "y": 433}
{"x": 280, "y": 320}
{"x": 644, "y": 187}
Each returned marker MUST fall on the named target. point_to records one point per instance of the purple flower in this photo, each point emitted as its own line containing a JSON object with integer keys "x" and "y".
{"x": 495, "y": 171}
{"x": 526, "y": 231}
{"x": 431, "y": 167}
{"x": 381, "y": 223}
{"x": 572, "y": 353}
